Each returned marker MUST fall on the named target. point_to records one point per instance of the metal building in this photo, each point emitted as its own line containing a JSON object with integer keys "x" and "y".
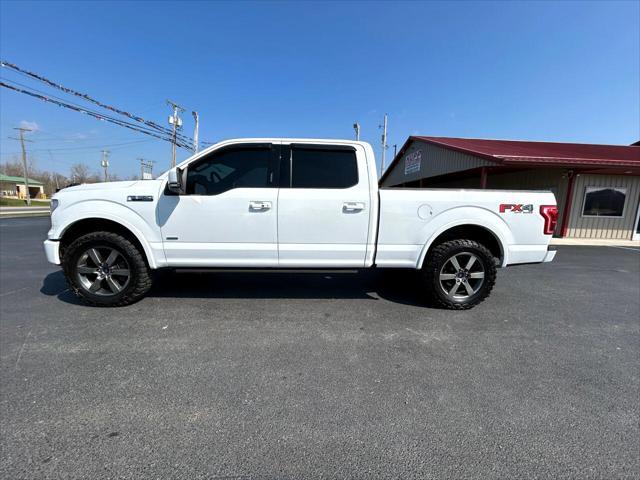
{"x": 597, "y": 186}
{"x": 15, "y": 187}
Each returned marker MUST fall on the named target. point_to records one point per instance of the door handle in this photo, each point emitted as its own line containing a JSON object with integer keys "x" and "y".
{"x": 351, "y": 207}
{"x": 259, "y": 205}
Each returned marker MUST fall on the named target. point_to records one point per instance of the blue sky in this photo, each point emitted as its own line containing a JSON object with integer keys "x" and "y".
{"x": 565, "y": 71}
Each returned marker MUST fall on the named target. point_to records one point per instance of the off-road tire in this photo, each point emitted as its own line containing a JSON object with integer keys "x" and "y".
{"x": 140, "y": 279}
{"x": 435, "y": 261}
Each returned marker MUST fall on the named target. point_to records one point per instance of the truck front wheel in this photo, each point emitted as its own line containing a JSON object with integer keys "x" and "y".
{"x": 459, "y": 274}
{"x": 105, "y": 269}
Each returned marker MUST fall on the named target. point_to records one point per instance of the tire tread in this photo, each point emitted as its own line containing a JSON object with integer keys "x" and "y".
{"x": 436, "y": 258}
{"x": 141, "y": 274}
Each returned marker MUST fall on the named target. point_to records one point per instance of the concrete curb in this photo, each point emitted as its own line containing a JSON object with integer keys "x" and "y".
{"x": 24, "y": 215}
{"x": 14, "y": 212}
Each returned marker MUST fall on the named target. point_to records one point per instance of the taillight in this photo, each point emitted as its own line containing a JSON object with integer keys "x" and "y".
{"x": 550, "y": 215}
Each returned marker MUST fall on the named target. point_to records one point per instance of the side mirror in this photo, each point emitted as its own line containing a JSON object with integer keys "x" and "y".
{"x": 174, "y": 183}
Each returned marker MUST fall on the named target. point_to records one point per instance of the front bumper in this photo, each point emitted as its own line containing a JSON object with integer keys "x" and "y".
{"x": 52, "y": 251}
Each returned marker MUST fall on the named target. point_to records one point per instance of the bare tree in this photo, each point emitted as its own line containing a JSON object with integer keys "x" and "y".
{"x": 12, "y": 168}
{"x": 52, "y": 181}
{"x": 80, "y": 173}
{"x": 48, "y": 179}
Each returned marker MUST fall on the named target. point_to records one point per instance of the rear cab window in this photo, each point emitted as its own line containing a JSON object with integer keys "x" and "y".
{"x": 318, "y": 166}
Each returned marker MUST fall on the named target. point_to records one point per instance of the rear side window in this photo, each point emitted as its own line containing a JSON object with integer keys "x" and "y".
{"x": 319, "y": 167}
{"x": 245, "y": 167}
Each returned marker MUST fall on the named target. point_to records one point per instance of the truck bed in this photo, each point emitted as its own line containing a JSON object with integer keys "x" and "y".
{"x": 411, "y": 219}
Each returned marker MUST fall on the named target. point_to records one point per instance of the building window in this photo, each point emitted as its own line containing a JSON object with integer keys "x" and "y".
{"x": 604, "y": 201}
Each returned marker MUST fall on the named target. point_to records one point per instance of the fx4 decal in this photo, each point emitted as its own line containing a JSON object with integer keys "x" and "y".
{"x": 516, "y": 208}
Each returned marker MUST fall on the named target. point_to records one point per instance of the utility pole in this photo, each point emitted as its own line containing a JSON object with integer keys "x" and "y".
{"x": 24, "y": 160}
{"x": 356, "y": 127}
{"x": 384, "y": 143}
{"x": 146, "y": 167}
{"x": 195, "y": 131}
{"x": 176, "y": 122}
{"x": 105, "y": 164}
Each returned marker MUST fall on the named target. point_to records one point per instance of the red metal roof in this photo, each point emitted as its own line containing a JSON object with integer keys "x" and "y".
{"x": 526, "y": 153}
{"x": 514, "y": 151}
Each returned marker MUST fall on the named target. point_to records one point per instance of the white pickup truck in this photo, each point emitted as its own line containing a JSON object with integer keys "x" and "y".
{"x": 291, "y": 203}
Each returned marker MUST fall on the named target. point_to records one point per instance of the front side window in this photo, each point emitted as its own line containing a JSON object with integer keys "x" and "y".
{"x": 604, "y": 201}
{"x": 318, "y": 167}
{"x": 240, "y": 167}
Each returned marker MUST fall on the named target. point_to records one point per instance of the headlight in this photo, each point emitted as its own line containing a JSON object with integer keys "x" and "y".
{"x": 54, "y": 204}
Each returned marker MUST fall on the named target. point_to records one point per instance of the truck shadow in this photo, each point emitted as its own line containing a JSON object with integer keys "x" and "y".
{"x": 395, "y": 286}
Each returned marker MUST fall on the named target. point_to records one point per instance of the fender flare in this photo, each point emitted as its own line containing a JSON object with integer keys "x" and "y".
{"x": 148, "y": 251}
{"x": 502, "y": 241}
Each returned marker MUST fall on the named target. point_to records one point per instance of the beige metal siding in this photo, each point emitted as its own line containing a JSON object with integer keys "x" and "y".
{"x": 467, "y": 182}
{"x": 604, "y": 227}
{"x": 539, "y": 179}
{"x": 435, "y": 161}
{"x": 551, "y": 179}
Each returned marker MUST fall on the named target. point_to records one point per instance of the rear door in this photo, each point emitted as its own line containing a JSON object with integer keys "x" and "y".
{"x": 323, "y": 206}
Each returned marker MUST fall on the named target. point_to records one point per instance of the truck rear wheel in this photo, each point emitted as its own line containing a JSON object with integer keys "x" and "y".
{"x": 459, "y": 274}
{"x": 105, "y": 269}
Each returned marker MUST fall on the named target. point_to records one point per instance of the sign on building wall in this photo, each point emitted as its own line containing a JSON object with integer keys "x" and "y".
{"x": 412, "y": 162}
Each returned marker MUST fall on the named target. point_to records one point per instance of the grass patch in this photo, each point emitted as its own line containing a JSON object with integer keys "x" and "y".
{"x": 16, "y": 202}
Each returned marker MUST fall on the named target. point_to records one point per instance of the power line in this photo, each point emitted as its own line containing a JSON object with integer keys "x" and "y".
{"x": 64, "y": 134}
{"x": 86, "y": 147}
{"x": 96, "y": 115}
{"x": 86, "y": 97}
{"x": 186, "y": 140}
{"x": 78, "y": 107}
{"x": 77, "y": 138}
{"x": 99, "y": 116}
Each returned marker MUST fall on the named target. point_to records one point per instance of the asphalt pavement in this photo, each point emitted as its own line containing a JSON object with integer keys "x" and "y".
{"x": 290, "y": 375}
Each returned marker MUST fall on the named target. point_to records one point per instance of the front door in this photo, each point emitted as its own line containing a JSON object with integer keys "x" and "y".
{"x": 323, "y": 206}
{"x": 228, "y": 214}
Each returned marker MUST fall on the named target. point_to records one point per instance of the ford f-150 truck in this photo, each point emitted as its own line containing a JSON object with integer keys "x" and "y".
{"x": 291, "y": 203}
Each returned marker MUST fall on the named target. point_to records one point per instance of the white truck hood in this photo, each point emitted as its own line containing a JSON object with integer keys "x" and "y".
{"x": 116, "y": 191}
{"x": 103, "y": 186}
